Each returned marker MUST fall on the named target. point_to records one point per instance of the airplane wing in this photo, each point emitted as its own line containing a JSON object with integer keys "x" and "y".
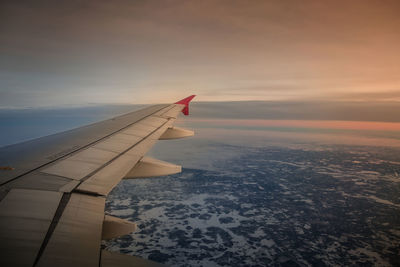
{"x": 53, "y": 189}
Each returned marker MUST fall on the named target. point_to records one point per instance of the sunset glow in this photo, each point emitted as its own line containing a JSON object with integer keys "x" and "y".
{"x": 289, "y": 155}
{"x": 80, "y": 52}
{"x": 307, "y": 124}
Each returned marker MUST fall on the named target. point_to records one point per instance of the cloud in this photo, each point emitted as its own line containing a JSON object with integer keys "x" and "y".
{"x": 299, "y": 110}
{"x": 230, "y": 50}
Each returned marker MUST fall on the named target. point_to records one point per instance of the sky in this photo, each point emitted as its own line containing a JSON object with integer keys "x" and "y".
{"x": 60, "y": 53}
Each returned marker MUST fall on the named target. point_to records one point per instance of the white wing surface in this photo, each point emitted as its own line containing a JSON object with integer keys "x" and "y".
{"x": 53, "y": 189}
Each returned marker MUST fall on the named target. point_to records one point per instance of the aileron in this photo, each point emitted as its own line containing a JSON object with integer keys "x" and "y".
{"x": 52, "y": 206}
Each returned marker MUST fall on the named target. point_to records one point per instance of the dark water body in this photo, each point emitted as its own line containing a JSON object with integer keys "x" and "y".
{"x": 17, "y": 125}
{"x": 268, "y": 206}
{"x": 251, "y": 194}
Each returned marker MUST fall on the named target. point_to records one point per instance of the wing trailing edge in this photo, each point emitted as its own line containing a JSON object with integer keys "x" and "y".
{"x": 58, "y": 189}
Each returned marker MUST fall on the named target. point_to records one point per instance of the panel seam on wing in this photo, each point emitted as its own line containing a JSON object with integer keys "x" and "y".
{"x": 118, "y": 156}
{"x": 81, "y": 148}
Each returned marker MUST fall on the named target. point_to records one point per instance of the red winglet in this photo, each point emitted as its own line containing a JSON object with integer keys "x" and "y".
{"x": 185, "y": 102}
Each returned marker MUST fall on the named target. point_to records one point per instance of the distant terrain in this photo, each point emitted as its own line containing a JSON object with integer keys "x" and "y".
{"x": 18, "y": 125}
{"x": 262, "y": 184}
{"x": 268, "y": 206}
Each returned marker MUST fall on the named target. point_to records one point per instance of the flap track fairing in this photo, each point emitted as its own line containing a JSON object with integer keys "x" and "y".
{"x": 149, "y": 167}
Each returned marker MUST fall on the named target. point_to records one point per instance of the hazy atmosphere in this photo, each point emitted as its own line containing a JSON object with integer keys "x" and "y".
{"x": 80, "y": 52}
{"x": 295, "y": 159}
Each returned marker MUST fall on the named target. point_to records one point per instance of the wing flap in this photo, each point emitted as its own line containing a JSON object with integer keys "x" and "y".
{"x": 103, "y": 181}
{"x": 25, "y": 216}
{"x": 76, "y": 238}
{"x": 87, "y": 161}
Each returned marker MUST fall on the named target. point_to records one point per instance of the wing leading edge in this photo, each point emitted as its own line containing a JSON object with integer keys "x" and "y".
{"x": 52, "y": 202}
